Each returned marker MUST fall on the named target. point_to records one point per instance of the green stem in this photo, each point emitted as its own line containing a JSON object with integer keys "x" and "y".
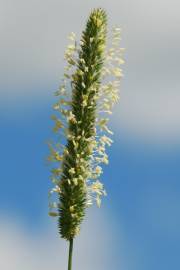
{"x": 70, "y": 254}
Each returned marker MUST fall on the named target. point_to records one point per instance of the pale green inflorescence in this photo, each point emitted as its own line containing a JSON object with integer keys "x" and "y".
{"x": 93, "y": 72}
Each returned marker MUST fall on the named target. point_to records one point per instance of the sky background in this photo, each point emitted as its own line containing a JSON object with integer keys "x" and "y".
{"x": 137, "y": 227}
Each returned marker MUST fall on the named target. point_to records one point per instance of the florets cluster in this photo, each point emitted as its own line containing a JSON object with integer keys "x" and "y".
{"x": 93, "y": 73}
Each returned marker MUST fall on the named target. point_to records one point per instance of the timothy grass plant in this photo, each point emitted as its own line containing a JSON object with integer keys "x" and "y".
{"x": 85, "y": 98}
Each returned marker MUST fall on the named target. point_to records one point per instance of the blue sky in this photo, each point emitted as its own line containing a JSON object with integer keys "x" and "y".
{"x": 142, "y": 184}
{"x": 138, "y": 223}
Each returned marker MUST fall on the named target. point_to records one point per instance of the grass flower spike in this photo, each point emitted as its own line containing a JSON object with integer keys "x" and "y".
{"x": 85, "y": 99}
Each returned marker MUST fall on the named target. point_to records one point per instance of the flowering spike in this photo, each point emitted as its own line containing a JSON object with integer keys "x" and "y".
{"x": 82, "y": 118}
{"x": 85, "y": 83}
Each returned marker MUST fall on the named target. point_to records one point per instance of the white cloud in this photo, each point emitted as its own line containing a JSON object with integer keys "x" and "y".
{"x": 151, "y": 115}
{"x": 33, "y": 38}
{"x": 43, "y": 249}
